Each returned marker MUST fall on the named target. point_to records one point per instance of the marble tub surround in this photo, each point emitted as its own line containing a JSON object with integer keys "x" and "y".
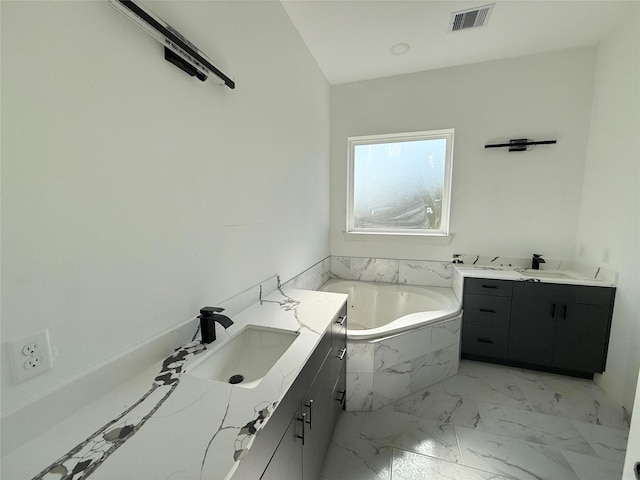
{"x": 312, "y": 278}
{"x": 487, "y": 422}
{"x": 202, "y": 429}
{"x": 411, "y": 272}
{"x": 382, "y": 371}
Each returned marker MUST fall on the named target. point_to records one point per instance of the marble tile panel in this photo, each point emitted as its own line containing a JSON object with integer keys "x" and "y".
{"x": 408, "y": 432}
{"x": 401, "y": 348}
{"x": 533, "y": 427}
{"x": 310, "y": 279}
{"x": 412, "y": 466}
{"x": 351, "y": 458}
{"x": 434, "y": 367}
{"x": 374, "y": 270}
{"x": 359, "y": 392}
{"x": 340, "y": 267}
{"x": 441, "y": 405}
{"x": 588, "y": 467}
{"x": 390, "y": 384}
{"x": 512, "y": 458}
{"x": 445, "y": 334}
{"x": 608, "y": 442}
{"x": 499, "y": 375}
{"x": 429, "y": 273}
{"x": 360, "y": 357}
{"x": 597, "y": 409}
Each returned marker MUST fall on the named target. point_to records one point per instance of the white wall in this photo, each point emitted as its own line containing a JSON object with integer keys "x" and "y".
{"x": 509, "y": 204}
{"x": 610, "y": 208}
{"x": 132, "y": 194}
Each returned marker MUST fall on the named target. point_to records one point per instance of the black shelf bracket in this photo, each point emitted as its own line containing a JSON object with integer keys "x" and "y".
{"x": 520, "y": 144}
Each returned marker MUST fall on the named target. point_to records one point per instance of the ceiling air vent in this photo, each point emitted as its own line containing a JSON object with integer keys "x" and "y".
{"x": 471, "y": 18}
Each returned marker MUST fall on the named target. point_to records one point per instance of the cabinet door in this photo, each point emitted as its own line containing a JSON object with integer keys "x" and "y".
{"x": 317, "y": 407}
{"x": 581, "y": 337}
{"x": 532, "y": 331}
{"x": 287, "y": 459}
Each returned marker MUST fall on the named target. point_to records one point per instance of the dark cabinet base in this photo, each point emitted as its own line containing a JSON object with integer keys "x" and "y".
{"x": 528, "y": 366}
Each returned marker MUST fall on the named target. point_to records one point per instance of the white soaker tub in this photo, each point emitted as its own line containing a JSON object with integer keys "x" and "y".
{"x": 400, "y": 340}
{"x": 377, "y": 310}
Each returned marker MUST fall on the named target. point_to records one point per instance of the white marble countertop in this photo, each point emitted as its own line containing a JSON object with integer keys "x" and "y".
{"x": 560, "y": 276}
{"x": 166, "y": 424}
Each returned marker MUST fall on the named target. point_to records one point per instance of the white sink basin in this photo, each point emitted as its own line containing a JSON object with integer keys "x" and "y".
{"x": 546, "y": 274}
{"x": 250, "y": 354}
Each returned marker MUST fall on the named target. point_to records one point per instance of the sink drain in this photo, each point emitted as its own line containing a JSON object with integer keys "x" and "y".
{"x": 236, "y": 379}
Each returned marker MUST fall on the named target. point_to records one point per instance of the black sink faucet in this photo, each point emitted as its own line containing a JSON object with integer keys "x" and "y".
{"x": 536, "y": 261}
{"x": 208, "y": 318}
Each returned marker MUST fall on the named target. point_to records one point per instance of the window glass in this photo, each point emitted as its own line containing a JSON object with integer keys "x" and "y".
{"x": 400, "y": 183}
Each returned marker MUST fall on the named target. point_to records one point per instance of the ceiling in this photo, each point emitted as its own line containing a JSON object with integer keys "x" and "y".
{"x": 351, "y": 40}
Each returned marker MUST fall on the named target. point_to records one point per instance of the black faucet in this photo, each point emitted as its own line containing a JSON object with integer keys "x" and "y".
{"x": 536, "y": 261}
{"x": 208, "y": 318}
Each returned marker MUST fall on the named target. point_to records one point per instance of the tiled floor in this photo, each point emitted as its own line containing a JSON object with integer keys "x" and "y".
{"x": 487, "y": 423}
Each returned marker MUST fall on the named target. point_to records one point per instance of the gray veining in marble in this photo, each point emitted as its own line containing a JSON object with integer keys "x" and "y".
{"x": 433, "y": 274}
{"x": 352, "y": 458}
{"x": 411, "y": 466}
{"x": 374, "y": 270}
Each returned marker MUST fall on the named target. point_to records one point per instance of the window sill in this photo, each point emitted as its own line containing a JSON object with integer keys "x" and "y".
{"x": 434, "y": 239}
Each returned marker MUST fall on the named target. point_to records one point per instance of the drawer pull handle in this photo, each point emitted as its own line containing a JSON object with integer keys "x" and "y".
{"x": 341, "y": 320}
{"x": 553, "y": 310}
{"x": 342, "y": 353}
{"x": 564, "y": 311}
{"x": 303, "y": 420}
{"x": 487, "y": 310}
{"x": 485, "y": 340}
{"x": 310, "y": 407}
{"x": 490, "y": 286}
{"x": 342, "y": 395}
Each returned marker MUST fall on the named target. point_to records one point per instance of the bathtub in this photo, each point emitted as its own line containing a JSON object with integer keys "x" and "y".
{"x": 400, "y": 339}
{"x": 378, "y": 310}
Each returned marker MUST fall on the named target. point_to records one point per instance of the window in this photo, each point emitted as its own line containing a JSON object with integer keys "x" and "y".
{"x": 400, "y": 184}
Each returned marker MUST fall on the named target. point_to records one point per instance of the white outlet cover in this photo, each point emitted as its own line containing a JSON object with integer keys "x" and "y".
{"x": 20, "y": 359}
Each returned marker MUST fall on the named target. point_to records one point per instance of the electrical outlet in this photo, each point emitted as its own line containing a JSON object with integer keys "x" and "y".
{"x": 31, "y": 356}
{"x": 33, "y": 362}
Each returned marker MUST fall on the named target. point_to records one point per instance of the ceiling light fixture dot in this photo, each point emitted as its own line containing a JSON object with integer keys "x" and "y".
{"x": 399, "y": 48}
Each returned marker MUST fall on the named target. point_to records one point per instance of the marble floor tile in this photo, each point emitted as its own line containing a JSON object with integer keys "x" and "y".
{"x": 512, "y": 458}
{"x": 533, "y": 427}
{"x": 411, "y": 466}
{"x": 609, "y": 443}
{"x": 508, "y": 423}
{"x": 351, "y": 458}
{"x": 349, "y": 423}
{"x": 589, "y": 467}
{"x": 407, "y": 432}
{"x": 597, "y": 408}
{"x": 441, "y": 405}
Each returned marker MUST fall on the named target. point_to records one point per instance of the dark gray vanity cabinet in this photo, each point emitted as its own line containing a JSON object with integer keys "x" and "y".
{"x": 557, "y": 327}
{"x": 303, "y": 447}
{"x": 561, "y": 326}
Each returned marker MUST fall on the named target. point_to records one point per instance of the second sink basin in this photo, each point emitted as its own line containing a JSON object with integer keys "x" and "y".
{"x": 545, "y": 274}
{"x": 246, "y": 358}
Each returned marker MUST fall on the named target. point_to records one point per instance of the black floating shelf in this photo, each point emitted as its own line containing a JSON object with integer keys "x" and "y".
{"x": 520, "y": 144}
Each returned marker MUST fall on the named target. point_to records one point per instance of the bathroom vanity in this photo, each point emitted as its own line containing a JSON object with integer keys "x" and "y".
{"x": 551, "y": 324}
{"x": 180, "y": 419}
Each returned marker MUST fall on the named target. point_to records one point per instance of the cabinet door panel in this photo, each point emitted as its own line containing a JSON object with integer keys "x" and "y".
{"x": 287, "y": 459}
{"x": 581, "y": 336}
{"x": 532, "y": 330}
{"x": 319, "y": 429}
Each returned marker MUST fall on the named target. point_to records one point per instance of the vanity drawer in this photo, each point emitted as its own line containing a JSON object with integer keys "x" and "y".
{"x": 485, "y": 341}
{"x": 487, "y": 310}
{"x": 488, "y": 286}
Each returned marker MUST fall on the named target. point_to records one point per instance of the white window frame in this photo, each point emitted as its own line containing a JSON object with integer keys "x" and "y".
{"x": 443, "y": 231}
